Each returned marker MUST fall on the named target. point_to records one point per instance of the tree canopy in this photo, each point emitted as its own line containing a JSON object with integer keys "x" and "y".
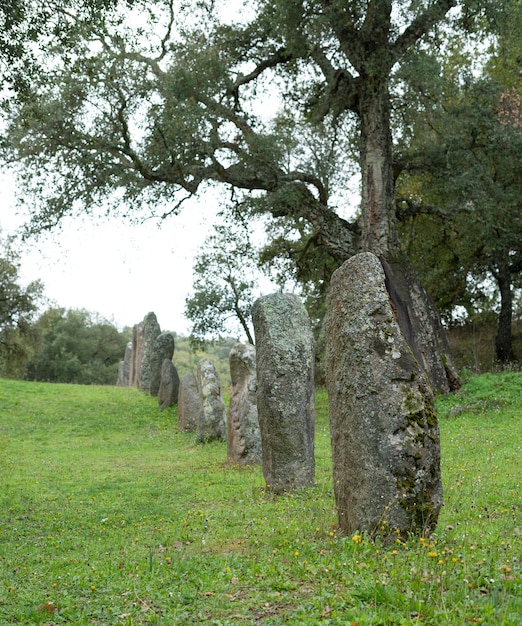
{"x": 224, "y": 283}
{"x": 463, "y": 180}
{"x": 76, "y": 347}
{"x": 18, "y": 306}
{"x": 144, "y": 106}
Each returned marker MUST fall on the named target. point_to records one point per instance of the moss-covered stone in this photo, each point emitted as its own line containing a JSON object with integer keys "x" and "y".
{"x": 384, "y": 430}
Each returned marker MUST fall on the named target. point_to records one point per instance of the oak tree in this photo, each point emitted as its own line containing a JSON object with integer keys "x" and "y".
{"x": 146, "y": 106}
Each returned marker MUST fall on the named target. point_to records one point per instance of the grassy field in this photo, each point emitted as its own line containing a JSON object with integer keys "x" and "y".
{"x": 109, "y": 515}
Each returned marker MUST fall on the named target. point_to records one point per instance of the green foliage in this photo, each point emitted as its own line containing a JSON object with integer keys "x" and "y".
{"x": 224, "y": 285}
{"x": 460, "y": 190}
{"x": 18, "y": 306}
{"x": 186, "y": 356}
{"x": 22, "y": 24}
{"x": 129, "y": 522}
{"x": 138, "y": 117}
{"x": 77, "y": 347}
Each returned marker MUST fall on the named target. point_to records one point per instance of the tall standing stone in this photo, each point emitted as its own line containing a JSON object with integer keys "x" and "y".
{"x": 162, "y": 348}
{"x": 169, "y": 385}
{"x": 211, "y": 423}
{"x": 150, "y": 329}
{"x": 285, "y": 390}
{"x": 136, "y": 344}
{"x": 384, "y": 430}
{"x": 124, "y": 367}
{"x": 188, "y": 403}
{"x": 243, "y": 435}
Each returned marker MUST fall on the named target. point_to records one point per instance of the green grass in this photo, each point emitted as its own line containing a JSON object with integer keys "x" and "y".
{"x": 109, "y": 515}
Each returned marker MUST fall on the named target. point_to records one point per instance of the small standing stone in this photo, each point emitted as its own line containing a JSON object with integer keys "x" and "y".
{"x": 243, "y": 436}
{"x": 169, "y": 385}
{"x": 163, "y": 348}
{"x": 124, "y": 367}
{"x": 136, "y": 344}
{"x": 212, "y": 414}
{"x": 384, "y": 430}
{"x": 285, "y": 390}
{"x": 188, "y": 403}
{"x": 150, "y": 330}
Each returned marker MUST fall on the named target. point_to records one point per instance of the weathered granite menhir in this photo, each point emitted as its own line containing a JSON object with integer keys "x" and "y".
{"x": 211, "y": 423}
{"x": 188, "y": 403}
{"x": 124, "y": 367}
{"x": 285, "y": 390}
{"x": 169, "y": 385}
{"x": 384, "y": 430}
{"x": 162, "y": 348}
{"x": 149, "y": 329}
{"x": 243, "y": 435}
{"x": 139, "y": 352}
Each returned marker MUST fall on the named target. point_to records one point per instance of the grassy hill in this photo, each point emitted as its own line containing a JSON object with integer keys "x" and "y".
{"x": 109, "y": 515}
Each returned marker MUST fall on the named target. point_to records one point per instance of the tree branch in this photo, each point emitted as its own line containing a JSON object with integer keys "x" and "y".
{"x": 279, "y": 57}
{"x": 420, "y": 26}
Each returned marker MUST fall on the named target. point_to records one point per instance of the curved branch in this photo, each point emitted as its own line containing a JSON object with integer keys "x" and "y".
{"x": 420, "y": 27}
{"x": 339, "y": 237}
{"x": 279, "y": 57}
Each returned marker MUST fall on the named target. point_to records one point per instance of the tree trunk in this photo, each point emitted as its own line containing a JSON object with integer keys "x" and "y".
{"x": 420, "y": 323}
{"x": 416, "y": 313}
{"x": 379, "y": 228}
{"x": 504, "y": 339}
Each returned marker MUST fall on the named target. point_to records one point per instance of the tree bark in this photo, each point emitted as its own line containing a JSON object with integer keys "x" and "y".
{"x": 415, "y": 311}
{"x": 379, "y": 229}
{"x": 504, "y": 338}
{"x": 420, "y": 323}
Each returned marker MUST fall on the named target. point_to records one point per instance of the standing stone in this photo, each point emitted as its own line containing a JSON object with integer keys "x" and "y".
{"x": 243, "y": 435}
{"x": 285, "y": 390}
{"x": 127, "y": 359}
{"x": 169, "y": 385}
{"x": 136, "y": 344}
{"x": 384, "y": 430}
{"x": 121, "y": 375}
{"x": 162, "y": 348}
{"x": 212, "y": 414}
{"x": 124, "y": 367}
{"x": 188, "y": 403}
{"x": 150, "y": 330}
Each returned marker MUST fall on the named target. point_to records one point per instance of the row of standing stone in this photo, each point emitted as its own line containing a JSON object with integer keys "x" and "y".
{"x": 384, "y": 431}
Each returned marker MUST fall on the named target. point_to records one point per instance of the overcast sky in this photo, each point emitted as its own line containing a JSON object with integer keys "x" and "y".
{"x": 113, "y": 268}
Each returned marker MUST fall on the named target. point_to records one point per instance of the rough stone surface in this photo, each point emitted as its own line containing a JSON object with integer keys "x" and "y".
{"x": 211, "y": 422}
{"x": 243, "y": 435}
{"x": 384, "y": 430}
{"x": 124, "y": 367}
{"x": 285, "y": 390}
{"x": 169, "y": 385}
{"x": 150, "y": 329}
{"x": 420, "y": 323}
{"x": 136, "y": 344}
{"x": 188, "y": 403}
{"x": 163, "y": 348}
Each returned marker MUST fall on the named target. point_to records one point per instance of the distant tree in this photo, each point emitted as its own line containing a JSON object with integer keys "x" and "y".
{"x": 18, "y": 307}
{"x": 77, "y": 347}
{"x": 224, "y": 285}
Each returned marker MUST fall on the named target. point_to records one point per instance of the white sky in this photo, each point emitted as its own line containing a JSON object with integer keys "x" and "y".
{"x": 119, "y": 270}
